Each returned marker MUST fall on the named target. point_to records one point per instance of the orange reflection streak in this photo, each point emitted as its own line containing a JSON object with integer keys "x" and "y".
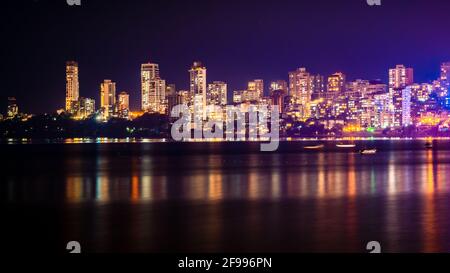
{"x": 253, "y": 191}
{"x": 135, "y": 192}
{"x": 351, "y": 191}
{"x": 275, "y": 188}
{"x": 351, "y": 226}
{"x": 429, "y": 212}
{"x": 215, "y": 191}
{"x": 74, "y": 189}
{"x": 321, "y": 192}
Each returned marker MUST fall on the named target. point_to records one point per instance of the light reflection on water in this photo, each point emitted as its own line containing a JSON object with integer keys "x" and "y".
{"x": 321, "y": 201}
{"x": 330, "y": 176}
{"x": 220, "y": 178}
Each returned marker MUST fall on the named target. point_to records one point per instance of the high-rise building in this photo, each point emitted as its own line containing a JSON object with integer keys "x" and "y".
{"x": 399, "y": 78}
{"x": 184, "y": 97}
{"x": 217, "y": 93}
{"x": 237, "y": 96}
{"x": 107, "y": 98}
{"x": 335, "y": 87}
{"x": 421, "y": 92}
{"x": 171, "y": 97}
{"x": 153, "y": 89}
{"x": 72, "y": 85}
{"x": 406, "y": 107}
{"x": 123, "y": 106}
{"x": 318, "y": 92}
{"x": 279, "y": 85}
{"x": 257, "y": 87}
{"x": 375, "y": 87}
{"x": 374, "y": 106}
{"x": 354, "y": 94}
{"x": 171, "y": 89}
{"x": 382, "y": 103}
{"x": 445, "y": 72}
{"x": 277, "y": 99}
{"x": 83, "y": 108}
{"x": 301, "y": 86}
{"x": 13, "y": 109}
{"x": 198, "y": 90}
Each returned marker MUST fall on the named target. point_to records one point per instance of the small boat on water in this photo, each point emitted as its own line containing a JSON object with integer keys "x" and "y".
{"x": 340, "y": 145}
{"x": 429, "y": 145}
{"x": 368, "y": 151}
{"x": 315, "y": 147}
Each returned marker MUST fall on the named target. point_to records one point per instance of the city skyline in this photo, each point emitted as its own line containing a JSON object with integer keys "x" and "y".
{"x": 258, "y": 45}
{"x": 358, "y": 105}
{"x": 72, "y": 84}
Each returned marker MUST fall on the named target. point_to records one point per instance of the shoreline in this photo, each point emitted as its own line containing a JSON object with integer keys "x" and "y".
{"x": 102, "y": 140}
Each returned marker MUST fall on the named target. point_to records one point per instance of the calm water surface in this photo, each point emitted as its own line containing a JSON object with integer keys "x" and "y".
{"x": 215, "y": 197}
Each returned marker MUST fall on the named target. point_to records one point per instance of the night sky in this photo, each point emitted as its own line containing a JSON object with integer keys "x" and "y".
{"x": 236, "y": 40}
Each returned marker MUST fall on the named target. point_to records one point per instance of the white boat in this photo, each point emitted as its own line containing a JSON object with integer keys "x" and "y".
{"x": 368, "y": 151}
{"x": 346, "y": 145}
{"x": 315, "y": 147}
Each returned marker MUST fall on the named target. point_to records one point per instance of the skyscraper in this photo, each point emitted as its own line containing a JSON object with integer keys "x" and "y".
{"x": 301, "y": 87}
{"x": 257, "y": 88}
{"x": 171, "y": 97}
{"x": 278, "y": 85}
{"x": 406, "y": 107}
{"x": 107, "y": 98}
{"x": 86, "y": 107}
{"x": 318, "y": 92}
{"x": 445, "y": 75}
{"x": 72, "y": 85}
{"x": 152, "y": 89}
{"x": 13, "y": 109}
{"x": 354, "y": 94}
{"x": 217, "y": 93}
{"x": 123, "y": 105}
{"x": 335, "y": 87}
{"x": 198, "y": 90}
{"x": 399, "y": 78}
{"x": 277, "y": 99}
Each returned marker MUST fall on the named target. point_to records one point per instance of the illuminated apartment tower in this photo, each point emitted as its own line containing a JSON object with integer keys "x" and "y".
{"x": 107, "y": 98}
{"x": 171, "y": 97}
{"x": 354, "y": 94}
{"x": 72, "y": 85}
{"x": 152, "y": 89}
{"x": 123, "y": 106}
{"x": 335, "y": 87}
{"x": 83, "y": 108}
{"x": 87, "y": 107}
{"x": 399, "y": 78}
{"x": 278, "y": 85}
{"x": 256, "y": 89}
{"x": 217, "y": 93}
{"x": 13, "y": 109}
{"x": 318, "y": 92}
{"x": 198, "y": 90}
{"x": 301, "y": 85}
{"x": 445, "y": 74}
{"x": 406, "y": 107}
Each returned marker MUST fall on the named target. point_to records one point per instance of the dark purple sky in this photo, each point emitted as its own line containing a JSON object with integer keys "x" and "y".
{"x": 236, "y": 40}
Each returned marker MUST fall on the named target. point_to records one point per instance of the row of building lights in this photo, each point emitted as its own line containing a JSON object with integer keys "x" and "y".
{"x": 358, "y": 104}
